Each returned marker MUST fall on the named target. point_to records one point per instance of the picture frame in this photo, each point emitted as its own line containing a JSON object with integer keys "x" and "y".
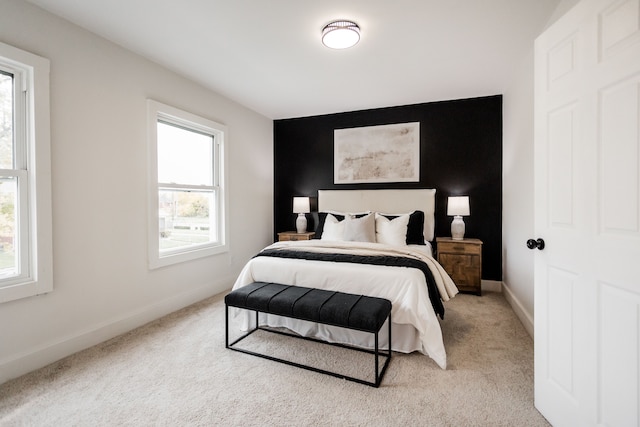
{"x": 383, "y": 153}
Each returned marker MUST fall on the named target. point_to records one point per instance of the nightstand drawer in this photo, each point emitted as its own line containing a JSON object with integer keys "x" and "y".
{"x": 463, "y": 269}
{"x": 291, "y": 236}
{"x": 459, "y": 248}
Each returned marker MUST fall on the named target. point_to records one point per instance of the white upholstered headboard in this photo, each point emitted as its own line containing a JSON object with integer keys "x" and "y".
{"x": 386, "y": 201}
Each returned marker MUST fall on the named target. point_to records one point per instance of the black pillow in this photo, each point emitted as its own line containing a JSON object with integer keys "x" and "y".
{"x": 415, "y": 227}
{"x": 322, "y": 216}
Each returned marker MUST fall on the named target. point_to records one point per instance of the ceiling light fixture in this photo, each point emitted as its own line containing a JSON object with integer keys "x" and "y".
{"x": 340, "y": 34}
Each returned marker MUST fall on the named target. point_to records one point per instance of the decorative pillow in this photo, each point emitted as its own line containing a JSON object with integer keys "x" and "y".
{"x": 415, "y": 228}
{"x": 333, "y": 228}
{"x": 322, "y": 216}
{"x": 360, "y": 229}
{"x": 392, "y": 231}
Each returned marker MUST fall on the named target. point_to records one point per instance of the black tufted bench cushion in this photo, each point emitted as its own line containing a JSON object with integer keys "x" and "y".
{"x": 357, "y": 312}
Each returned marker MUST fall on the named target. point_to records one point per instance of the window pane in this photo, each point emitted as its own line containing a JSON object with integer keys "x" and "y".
{"x": 184, "y": 156}
{"x": 184, "y": 219}
{"x": 6, "y": 121}
{"x": 8, "y": 232}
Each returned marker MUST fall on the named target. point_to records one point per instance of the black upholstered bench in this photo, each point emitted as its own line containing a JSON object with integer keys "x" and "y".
{"x": 357, "y": 312}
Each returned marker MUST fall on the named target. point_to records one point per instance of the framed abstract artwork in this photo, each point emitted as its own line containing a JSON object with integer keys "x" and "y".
{"x": 385, "y": 153}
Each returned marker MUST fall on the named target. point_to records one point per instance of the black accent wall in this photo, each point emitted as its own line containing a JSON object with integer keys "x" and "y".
{"x": 460, "y": 154}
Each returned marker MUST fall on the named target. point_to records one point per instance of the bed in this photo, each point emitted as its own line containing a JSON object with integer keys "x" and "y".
{"x": 397, "y": 265}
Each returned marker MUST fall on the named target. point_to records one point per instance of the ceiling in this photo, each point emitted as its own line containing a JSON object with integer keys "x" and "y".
{"x": 267, "y": 54}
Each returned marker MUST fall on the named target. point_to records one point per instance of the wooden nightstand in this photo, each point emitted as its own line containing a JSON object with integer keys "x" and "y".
{"x": 462, "y": 259}
{"x": 286, "y": 236}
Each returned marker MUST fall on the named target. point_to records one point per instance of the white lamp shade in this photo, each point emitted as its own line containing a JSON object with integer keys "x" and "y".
{"x": 301, "y": 205}
{"x": 458, "y": 206}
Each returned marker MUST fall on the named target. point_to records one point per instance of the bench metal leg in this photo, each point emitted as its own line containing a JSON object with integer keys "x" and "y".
{"x": 386, "y": 363}
{"x": 390, "y": 336}
{"x": 376, "y": 371}
{"x": 226, "y": 332}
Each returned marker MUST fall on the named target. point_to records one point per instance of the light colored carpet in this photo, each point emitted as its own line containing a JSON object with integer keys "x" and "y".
{"x": 176, "y": 371}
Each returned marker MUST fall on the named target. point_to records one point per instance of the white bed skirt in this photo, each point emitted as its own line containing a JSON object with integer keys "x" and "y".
{"x": 404, "y": 337}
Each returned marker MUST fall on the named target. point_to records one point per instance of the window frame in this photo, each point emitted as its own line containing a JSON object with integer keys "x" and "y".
{"x": 159, "y": 112}
{"x": 32, "y": 169}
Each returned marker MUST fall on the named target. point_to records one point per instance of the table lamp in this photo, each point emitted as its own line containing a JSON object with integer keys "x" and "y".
{"x": 458, "y": 207}
{"x": 301, "y": 207}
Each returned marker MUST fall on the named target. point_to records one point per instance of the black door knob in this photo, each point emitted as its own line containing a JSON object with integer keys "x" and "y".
{"x": 532, "y": 244}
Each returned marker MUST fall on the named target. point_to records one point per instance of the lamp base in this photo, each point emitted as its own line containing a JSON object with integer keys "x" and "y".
{"x": 301, "y": 223}
{"x": 457, "y": 228}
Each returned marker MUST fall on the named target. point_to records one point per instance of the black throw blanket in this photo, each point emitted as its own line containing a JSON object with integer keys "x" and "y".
{"x": 393, "y": 261}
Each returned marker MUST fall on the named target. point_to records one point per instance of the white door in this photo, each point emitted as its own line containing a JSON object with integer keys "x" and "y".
{"x": 587, "y": 198}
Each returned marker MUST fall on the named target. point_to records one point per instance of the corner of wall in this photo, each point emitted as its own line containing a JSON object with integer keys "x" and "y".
{"x": 491, "y": 286}
{"x": 562, "y": 8}
{"x": 521, "y": 312}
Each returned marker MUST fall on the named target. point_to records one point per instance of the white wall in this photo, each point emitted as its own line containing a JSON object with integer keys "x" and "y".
{"x": 102, "y": 286}
{"x": 517, "y": 192}
{"x": 563, "y": 7}
{"x": 518, "y": 184}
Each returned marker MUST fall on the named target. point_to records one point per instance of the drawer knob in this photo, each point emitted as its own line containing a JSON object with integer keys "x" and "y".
{"x": 532, "y": 244}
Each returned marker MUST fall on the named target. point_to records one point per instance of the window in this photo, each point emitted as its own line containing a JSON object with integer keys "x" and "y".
{"x": 25, "y": 175}
{"x": 187, "y": 198}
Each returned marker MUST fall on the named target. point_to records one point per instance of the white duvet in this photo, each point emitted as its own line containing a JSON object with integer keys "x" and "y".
{"x": 415, "y": 326}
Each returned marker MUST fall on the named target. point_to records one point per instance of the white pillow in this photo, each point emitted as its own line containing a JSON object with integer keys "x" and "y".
{"x": 361, "y": 229}
{"x": 392, "y": 232}
{"x": 333, "y": 229}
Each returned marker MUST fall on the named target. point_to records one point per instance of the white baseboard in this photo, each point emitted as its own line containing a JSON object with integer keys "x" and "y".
{"x": 525, "y": 317}
{"x": 491, "y": 285}
{"x": 48, "y": 353}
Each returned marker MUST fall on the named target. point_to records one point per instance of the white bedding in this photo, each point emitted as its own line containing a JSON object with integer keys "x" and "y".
{"x": 415, "y": 326}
